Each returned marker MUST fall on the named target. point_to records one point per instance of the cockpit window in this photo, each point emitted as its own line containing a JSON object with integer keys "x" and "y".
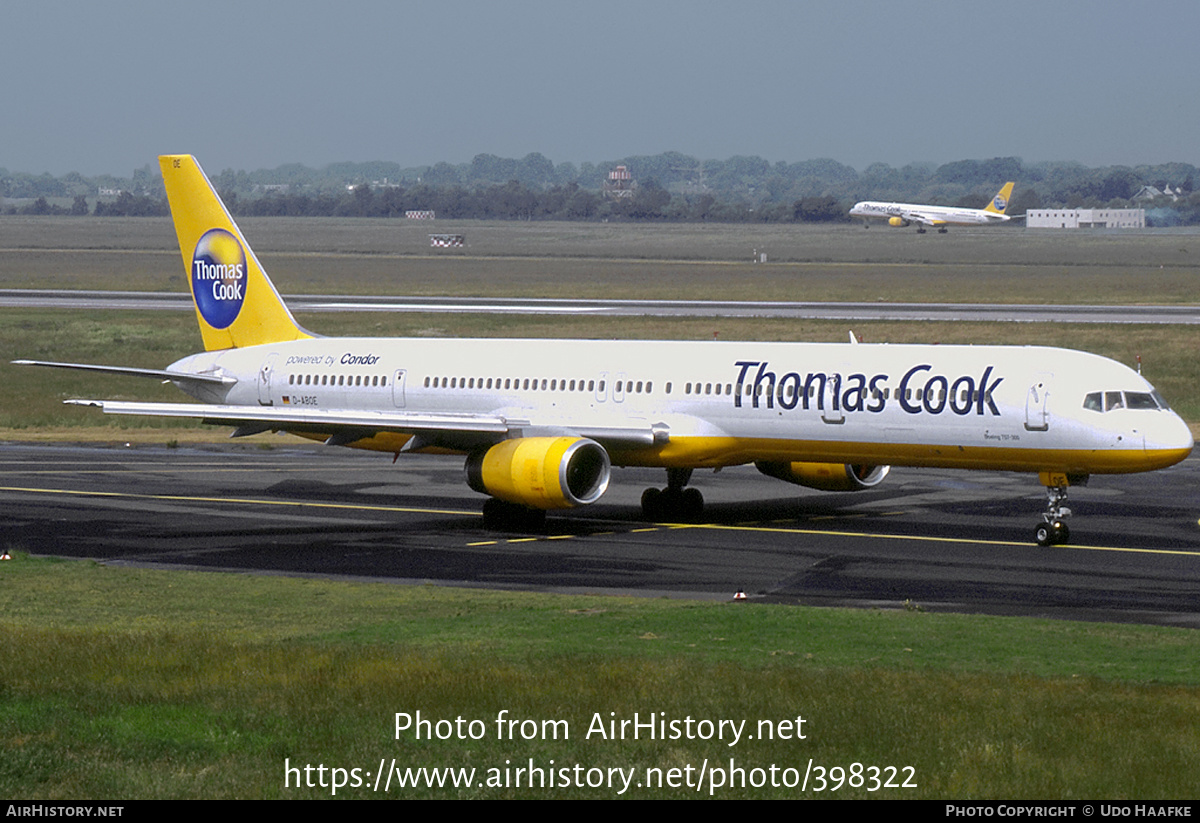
{"x": 1109, "y": 400}
{"x": 1139, "y": 400}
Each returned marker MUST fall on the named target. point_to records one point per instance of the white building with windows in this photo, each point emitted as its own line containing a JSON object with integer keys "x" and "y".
{"x": 1085, "y": 219}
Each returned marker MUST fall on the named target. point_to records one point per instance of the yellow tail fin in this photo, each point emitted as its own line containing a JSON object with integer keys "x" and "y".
{"x": 1000, "y": 201}
{"x": 236, "y": 303}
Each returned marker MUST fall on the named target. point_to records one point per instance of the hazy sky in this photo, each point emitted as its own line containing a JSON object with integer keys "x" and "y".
{"x": 100, "y": 87}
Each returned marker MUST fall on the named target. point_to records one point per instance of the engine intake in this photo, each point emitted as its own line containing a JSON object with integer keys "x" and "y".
{"x": 541, "y": 472}
{"x": 830, "y": 477}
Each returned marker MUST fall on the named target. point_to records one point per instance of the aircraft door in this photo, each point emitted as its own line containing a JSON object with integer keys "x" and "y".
{"x": 831, "y": 405}
{"x": 398, "y": 388}
{"x": 264, "y": 380}
{"x": 1037, "y": 404}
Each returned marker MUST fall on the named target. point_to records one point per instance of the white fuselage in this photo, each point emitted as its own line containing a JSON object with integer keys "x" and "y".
{"x": 712, "y": 404}
{"x": 926, "y": 215}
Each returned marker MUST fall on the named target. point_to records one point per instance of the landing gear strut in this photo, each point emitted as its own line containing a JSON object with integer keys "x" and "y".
{"x": 1053, "y": 530}
{"x": 675, "y": 502}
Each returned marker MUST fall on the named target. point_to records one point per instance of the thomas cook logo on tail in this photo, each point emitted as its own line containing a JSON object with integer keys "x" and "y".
{"x": 219, "y": 277}
{"x": 999, "y": 203}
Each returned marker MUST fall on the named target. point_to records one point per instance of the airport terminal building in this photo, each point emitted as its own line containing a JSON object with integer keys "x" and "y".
{"x": 1085, "y": 219}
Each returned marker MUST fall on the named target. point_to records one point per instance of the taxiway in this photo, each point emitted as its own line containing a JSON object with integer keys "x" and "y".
{"x": 64, "y": 299}
{"x": 935, "y": 540}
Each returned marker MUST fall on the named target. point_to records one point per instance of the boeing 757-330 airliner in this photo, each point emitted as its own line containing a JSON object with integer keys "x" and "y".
{"x": 904, "y": 214}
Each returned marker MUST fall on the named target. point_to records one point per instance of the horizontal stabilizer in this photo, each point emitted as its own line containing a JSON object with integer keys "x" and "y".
{"x": 160, "y": 374}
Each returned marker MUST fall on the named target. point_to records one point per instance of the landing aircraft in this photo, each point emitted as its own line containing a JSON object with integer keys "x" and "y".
{"x": 543, "y": 422}
{"x": 904, "y": 214}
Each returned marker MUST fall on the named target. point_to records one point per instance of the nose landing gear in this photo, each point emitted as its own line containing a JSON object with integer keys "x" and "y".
{"x": 1053, "y": 531}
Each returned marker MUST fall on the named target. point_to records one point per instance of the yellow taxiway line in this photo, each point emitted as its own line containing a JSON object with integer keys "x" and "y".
{"x": 250, "y": 501}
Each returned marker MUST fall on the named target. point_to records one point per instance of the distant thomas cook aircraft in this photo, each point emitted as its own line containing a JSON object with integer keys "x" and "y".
{"x": 904, "y": 214}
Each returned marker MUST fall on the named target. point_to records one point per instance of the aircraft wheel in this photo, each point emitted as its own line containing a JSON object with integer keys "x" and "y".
{"x": 1052, "y": 534}
{"x": 686, "y": 505}
{"x": 653, "y": 505}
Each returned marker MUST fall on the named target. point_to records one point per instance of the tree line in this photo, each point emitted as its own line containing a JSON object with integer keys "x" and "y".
{"x": 669, "y": 186}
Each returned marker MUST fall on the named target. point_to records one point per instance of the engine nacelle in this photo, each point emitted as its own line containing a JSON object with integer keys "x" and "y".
{"x": 830, "y": 477}
{"x": 898, "y": 222}
{"x": 541, "y": 472}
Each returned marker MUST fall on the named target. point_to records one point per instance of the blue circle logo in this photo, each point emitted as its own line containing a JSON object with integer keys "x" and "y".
{"x": 219, "y": 277}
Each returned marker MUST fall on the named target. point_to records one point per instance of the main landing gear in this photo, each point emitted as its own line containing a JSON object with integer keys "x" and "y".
{"x": 1053, "y": 530}
{"x": 675, "y": 502}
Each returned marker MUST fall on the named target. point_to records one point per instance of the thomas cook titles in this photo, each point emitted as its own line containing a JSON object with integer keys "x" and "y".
{"x": 919, "y": 391}
{"x": 227, "y": 279}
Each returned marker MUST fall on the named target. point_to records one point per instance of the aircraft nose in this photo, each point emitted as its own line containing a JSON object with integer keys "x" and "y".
{"x": 1169, "y": 438}
{"x": 1180, "y": 435}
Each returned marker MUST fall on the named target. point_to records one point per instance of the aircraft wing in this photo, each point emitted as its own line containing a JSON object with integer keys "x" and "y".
{"x": 924, "y": 219}
{"x": 343, "y": 426}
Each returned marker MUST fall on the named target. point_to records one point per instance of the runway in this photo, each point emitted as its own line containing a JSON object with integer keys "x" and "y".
{"x": 934, "y": 540}
{"x": 171, "y": 301}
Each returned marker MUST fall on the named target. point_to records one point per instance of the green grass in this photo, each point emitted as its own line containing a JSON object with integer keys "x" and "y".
{"x": 126, "y": 683}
